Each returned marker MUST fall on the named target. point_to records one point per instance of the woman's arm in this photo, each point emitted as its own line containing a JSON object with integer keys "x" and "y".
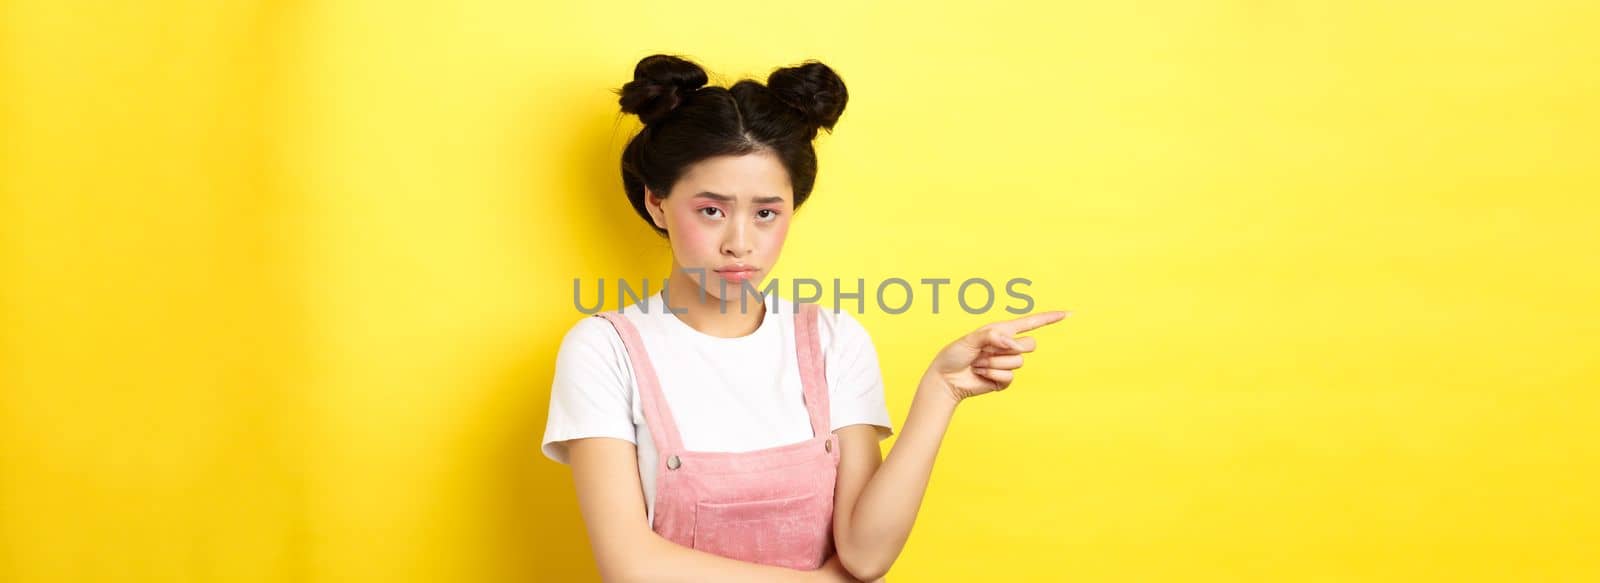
{"x": 605, "y": 472}
{"x": 875, "y": 505}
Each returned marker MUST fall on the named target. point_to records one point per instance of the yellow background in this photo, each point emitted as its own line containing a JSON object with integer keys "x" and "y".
{"x": 281, "y": 283}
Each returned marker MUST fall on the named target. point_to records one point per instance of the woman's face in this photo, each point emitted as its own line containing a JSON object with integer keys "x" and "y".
{"x": 727, "y": 218}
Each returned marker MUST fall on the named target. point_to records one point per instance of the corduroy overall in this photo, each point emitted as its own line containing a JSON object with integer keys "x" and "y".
{"x": 772, "y": 506}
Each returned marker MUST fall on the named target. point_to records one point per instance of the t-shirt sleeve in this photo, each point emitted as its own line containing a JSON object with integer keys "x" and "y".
{"x": 855, "y": 383}
{"x": 591, "y": 395}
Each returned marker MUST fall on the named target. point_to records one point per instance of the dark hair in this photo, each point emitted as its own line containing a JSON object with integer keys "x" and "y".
{"x": 687, "y": 121}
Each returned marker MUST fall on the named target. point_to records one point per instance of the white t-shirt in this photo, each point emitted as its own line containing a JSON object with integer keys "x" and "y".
{"x": 726, "y": 394}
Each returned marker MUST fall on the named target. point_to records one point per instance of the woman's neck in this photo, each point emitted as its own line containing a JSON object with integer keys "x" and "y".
{"x": 704, "y": 311}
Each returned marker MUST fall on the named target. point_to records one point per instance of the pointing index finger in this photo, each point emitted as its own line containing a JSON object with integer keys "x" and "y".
{"x": 1031, "y": 321}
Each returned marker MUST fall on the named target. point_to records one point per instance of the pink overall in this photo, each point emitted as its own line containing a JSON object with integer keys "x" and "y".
{"x": 772, "y": 506}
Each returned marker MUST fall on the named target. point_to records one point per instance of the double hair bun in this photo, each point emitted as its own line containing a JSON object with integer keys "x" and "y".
{"x": 663, "y": 82}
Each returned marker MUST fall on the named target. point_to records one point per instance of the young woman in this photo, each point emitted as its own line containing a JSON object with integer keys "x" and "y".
{"x": 714, "y": 439}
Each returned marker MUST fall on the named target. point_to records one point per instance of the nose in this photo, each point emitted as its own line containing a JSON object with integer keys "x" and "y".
{"x": 735, "y": 241}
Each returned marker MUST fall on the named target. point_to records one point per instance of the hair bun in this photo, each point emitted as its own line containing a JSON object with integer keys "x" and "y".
{"x": 660, "y": 83}
{"x": 814, "y": 89}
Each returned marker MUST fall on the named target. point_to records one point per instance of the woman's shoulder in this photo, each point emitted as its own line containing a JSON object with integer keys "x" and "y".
{"x": 592, "y": 357}
{"x": 839, "y": 325}
{"x": 592, "y": 337}
{"x": 593, "y": 328}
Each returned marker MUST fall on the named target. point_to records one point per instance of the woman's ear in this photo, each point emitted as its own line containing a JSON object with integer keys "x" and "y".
{"x": 652, "y": 203}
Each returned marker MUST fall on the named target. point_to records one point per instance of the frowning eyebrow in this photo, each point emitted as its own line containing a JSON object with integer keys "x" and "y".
{"x": 726, "y": 198}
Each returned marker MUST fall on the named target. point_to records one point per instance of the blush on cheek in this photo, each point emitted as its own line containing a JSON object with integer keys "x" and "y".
{"x": 691, "y": 235}
{"x": 777, "y": 234}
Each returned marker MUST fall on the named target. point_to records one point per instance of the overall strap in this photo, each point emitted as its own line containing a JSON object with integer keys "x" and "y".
{"x": 663, "y": 429}
{"x": 812, "y": 372}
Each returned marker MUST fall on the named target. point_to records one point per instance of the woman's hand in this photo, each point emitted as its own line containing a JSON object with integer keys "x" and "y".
{"x": 983, "y": 360}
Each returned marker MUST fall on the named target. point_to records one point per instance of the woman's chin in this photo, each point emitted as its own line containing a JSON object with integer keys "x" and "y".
{"x": 731, "y": 289}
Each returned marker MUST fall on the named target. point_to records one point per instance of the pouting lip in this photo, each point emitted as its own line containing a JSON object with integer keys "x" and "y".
{"x": 732, "y": 268}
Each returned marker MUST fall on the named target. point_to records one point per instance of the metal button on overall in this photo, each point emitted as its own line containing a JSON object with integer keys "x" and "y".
{"x": 673, "y": 463}
{"x": 827, "y": 445}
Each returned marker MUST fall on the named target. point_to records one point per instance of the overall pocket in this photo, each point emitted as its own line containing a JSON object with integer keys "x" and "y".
{"x": 788, "y": 532}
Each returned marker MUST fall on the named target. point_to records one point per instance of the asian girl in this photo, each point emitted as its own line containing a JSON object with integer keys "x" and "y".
{"x": 717, "y": 439}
